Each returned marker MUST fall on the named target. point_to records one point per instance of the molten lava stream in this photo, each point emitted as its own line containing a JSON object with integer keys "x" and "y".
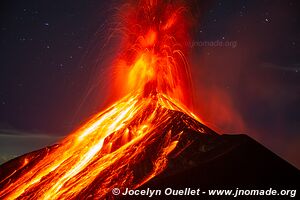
{"x": 105, "y": 153}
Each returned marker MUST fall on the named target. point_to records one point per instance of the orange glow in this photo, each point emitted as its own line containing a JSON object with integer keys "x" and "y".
{"x": 106, "y": 149}
{"x": 155, "y": 48}
{"x": 149, "y": 39}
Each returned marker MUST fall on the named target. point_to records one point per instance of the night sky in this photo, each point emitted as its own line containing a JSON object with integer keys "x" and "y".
{"x": 55, "y": 55}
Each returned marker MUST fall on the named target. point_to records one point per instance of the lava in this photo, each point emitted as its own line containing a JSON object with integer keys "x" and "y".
{"x": 153, "y": 50}
{"x": 129, "y": 143}
{"x": 108, "y": 148}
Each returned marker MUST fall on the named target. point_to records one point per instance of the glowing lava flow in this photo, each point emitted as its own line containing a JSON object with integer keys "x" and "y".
{"x": 107, "y": 150}
{"x": 129, "y": 143}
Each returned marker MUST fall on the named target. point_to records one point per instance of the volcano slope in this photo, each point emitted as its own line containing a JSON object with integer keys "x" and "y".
{"x": 142, "y": 142}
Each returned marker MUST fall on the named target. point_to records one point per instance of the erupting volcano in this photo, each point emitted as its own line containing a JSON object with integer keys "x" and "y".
{"x": 150, "y": 129}
{"x": 128, "y": 143}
